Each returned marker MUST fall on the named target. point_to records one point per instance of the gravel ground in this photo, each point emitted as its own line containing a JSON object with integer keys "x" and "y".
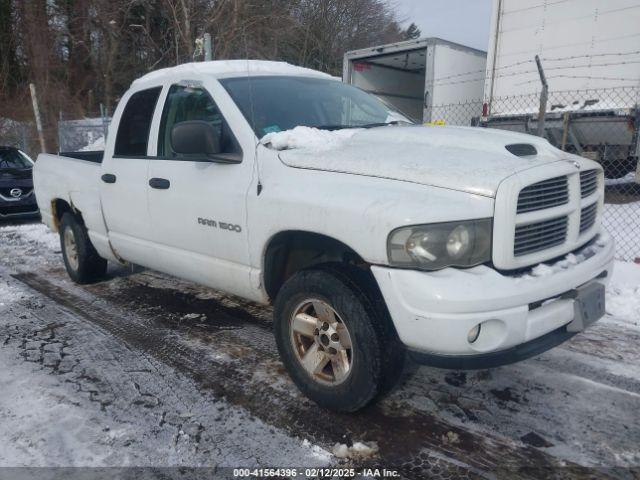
{"x": 145, "y": 370}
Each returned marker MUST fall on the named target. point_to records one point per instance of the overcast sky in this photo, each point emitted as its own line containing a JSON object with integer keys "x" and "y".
{"x": 461, "y": 21}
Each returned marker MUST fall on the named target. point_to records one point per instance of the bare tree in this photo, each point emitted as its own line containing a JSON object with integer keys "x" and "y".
{"x": 83, "y": 52}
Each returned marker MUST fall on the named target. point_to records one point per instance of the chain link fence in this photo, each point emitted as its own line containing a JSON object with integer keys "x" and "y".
{"x": 87, "y": 134}
{"x": 603, "y": 125}
{"x": 21, "y": 135}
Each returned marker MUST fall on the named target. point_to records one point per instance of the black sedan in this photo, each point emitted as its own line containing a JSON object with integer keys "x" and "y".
{"x": 17, "y": 199}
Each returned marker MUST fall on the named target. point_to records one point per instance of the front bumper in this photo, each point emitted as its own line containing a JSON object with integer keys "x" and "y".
{"x": 433, "y": 312}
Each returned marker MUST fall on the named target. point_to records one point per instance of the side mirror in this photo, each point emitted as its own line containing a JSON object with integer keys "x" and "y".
{"x": 195, "y": 137}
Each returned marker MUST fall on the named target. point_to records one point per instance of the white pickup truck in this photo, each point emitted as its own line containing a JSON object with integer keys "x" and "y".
{"x": 468, "y": 247}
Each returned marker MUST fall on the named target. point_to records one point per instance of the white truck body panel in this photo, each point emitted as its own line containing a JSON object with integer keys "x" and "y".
{"x": 416, "y": 75}
{"x": 357, "y": 193}
{"x": 583, "y": 44}
{"x": 452, "y": 82}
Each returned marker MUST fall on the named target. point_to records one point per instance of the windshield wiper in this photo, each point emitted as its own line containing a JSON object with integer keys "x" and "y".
{"x": 366, "y": 125}
{"x": 335, "y": 127}
{"x": 383, "y": 124}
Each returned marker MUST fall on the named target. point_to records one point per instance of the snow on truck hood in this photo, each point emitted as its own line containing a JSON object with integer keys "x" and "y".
{"x": 467, "y": 159}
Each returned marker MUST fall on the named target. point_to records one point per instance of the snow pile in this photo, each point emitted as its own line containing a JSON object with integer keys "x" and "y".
{"x": 628, "y": 178}
{"x": 94, "y": 145}
{"x": 358, "y": 450}
{"x": 308, "y": 138}
{"x": 316, "y": 451}
{"x": 623, "y": 293}
{"x": 570, "y": 260}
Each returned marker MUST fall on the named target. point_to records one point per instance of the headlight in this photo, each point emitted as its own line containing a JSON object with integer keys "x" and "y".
{"x": 440, "y": 245}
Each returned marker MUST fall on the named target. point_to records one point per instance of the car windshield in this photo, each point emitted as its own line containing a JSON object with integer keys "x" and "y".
{"x": 11, "y": 158}
{"x": 276, "y": 103}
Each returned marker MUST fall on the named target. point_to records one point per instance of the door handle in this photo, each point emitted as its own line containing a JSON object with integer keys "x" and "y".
{"x": 159, "y": 183}
{"x": 108, "y": 178}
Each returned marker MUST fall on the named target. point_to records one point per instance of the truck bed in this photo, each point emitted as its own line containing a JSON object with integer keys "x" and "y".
{"x": 71, "y": 177}
{"x": 94, "y": 156}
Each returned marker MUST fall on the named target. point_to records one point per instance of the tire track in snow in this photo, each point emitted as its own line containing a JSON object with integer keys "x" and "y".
{"x": 410, "y": 440}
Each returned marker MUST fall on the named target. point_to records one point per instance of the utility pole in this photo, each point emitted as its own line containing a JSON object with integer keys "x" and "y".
{"x": 36, "y": 113}
{"x": 544, "y": 95}
{"x": 208, "y": 48}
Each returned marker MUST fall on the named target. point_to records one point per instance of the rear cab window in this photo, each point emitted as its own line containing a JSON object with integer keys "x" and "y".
{"x": 135, "y": 123}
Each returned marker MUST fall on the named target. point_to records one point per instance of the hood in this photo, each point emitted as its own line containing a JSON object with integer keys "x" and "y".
{"x": 467, "y": 159}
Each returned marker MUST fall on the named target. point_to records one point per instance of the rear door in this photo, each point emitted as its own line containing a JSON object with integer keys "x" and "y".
{"x": 123, "y": 182}
{"x": 198, "y": 206}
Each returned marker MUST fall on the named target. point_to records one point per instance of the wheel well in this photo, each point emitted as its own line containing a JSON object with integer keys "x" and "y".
{"x": 59, "y": 207}
{"x": 291, "y": 251}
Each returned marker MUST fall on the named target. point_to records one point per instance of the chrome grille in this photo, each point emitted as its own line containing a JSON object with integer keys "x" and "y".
{"x": 588, "y": 217}
{"x": 546, "y": 194}
{"x": 539, "y": 236}
{"x": 588, "y": 182}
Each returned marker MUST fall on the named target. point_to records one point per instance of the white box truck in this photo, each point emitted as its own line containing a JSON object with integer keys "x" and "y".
{"x": 590, "y": 53}
{"x": 413, "y": 76}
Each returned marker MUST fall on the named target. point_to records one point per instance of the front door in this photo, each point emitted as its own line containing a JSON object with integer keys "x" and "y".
{"x": 198, "y": 206}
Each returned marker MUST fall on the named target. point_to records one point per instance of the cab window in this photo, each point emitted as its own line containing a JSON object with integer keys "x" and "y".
{"x": 193, "y": 103}
{"x": 135, "y": 123}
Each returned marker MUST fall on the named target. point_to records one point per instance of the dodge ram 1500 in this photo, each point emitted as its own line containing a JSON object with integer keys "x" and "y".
{"x": 466, "y": 247}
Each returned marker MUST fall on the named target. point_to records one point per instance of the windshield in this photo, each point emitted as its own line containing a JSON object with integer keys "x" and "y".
{"x": 282, "y": 103}
{"x": 14, "y": 159}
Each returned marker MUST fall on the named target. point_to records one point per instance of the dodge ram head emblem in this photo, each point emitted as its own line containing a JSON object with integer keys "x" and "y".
{"x": 15, "y": 193}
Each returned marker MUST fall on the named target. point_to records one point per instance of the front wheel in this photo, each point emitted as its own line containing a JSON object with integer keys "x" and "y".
{"x": 81, "y": 260}
{"x": 335, "y": 338}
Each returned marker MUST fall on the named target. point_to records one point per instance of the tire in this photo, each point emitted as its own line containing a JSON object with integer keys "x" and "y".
{"x": 81, "y": 260}
{"x": 376, "y": 356}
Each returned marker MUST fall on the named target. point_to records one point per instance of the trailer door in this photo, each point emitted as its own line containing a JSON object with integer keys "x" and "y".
{"x": 397, "y": 78}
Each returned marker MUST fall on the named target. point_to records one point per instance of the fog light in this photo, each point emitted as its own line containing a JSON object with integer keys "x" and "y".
{"x": 473, "y": 334}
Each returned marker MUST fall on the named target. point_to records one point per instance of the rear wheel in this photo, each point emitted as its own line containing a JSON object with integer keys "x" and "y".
{"x": 335, "y": 338}
{"x": 81, "y": 260}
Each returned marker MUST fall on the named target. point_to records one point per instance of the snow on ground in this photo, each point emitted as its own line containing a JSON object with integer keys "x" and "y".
{"x": 75, "y": 395}
{"x": 8, "y": 294}
{"x": 42, "y": 424}
{"x": 34, "y": 232}
{"x": 623, "y": 293}
{"x": 308, "y": 138}
{"x": 112, "y": 404}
